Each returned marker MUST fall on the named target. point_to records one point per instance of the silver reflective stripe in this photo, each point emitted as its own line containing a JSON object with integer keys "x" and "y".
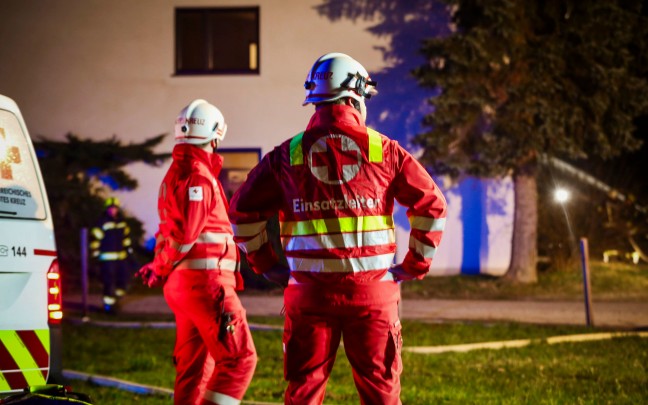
{"x": 185, "y": 248}
{"x": 422, "y": 248}
{"x": 207, "y": 264}
{"x": 108, "y": 300}
{"x": 427, "y": 224}
{"x": 173, "y": 244}
{"x": 112, "y": 255}
{"x": 346, "y": 265}
{"x": 344, "y": 240}
{"x": 255, "y": 243}
{"x": 387, "y": 277}
{"x": 246, "y": 230}
{"x": 214, "y": 237}
{"x": 220, "y": 399}
{"x": 208, "y": 237}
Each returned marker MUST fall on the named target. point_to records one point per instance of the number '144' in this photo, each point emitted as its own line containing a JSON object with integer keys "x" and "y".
{"x": 19, "y": 251}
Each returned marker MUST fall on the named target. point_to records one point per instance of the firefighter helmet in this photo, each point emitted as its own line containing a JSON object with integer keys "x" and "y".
{"x": 112, "y": 202}
{"x": 336, "y": 75}
{"x": 199, "y": 123}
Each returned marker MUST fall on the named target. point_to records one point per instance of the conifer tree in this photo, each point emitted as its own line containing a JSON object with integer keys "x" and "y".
{"x": 79, "y": 175}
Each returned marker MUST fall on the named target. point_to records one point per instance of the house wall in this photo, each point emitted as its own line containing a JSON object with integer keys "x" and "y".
{"x": 99, "y": 68}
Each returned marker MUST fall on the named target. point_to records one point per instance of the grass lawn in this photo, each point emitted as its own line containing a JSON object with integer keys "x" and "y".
{"x": 596, "y": 372}
{"x": 607, "y": 371}
{"x": 614, "y": 281}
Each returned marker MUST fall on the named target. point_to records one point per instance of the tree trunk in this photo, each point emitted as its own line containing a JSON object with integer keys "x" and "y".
{"x": 524, "y": 252}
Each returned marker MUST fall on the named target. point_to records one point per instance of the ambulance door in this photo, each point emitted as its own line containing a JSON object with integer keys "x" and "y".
{"x": 30, "y": 301}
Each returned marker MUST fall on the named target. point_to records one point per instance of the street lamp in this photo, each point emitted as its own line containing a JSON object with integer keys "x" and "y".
{"x": 561, "y": 195}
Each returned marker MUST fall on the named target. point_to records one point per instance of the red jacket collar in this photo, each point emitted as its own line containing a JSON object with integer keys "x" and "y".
{"x": 190, "y": 152}
{"x": 338, "y": 113}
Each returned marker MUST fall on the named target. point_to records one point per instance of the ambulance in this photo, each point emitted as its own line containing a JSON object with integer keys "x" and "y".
{"x": 30, "y": 285}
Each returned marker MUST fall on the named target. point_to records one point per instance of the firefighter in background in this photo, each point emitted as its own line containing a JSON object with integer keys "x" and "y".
{"x": 334, "y": 186}
{"x": 111, "y": 246}
{"x": 197, "y": 261}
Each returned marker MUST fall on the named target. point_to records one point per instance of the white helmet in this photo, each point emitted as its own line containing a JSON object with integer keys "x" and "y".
{"x": 336, "y": 75}
{"x": 199, "y": 123}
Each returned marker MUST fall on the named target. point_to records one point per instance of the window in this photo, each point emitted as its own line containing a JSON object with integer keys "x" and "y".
{"x": 223, "y": 40}
{"x": 236, "y": 166}
{"x": 21, "y": 194}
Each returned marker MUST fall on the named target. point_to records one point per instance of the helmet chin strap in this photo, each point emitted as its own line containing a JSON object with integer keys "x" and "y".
{"x": 363, "y": 110}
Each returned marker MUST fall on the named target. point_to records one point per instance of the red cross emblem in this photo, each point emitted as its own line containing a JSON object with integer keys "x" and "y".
{"x": 8, "y": 155}
{"x": 335, "y": 159}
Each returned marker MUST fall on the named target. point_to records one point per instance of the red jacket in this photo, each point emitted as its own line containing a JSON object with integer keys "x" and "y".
{"x": 334, "y": 188}
{"x": 194, "y": 232}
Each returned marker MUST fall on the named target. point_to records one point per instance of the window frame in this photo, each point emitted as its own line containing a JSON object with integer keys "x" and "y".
{"x": 206, "y": 14}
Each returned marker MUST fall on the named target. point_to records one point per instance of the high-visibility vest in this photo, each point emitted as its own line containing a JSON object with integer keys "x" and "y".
{"x": 334, "y": 187}
{"x": 375, "y": 148}
{"x": 339, "y": 232}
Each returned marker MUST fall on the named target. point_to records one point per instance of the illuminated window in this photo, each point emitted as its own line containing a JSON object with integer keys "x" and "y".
{"x": 222, "y": 40}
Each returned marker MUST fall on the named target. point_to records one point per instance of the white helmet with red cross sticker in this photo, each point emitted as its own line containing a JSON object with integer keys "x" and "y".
{"x": 336, "y": 75}
{"x": 199, "y": 123}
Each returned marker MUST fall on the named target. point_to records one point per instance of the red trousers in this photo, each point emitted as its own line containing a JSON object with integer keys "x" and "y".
{"x": 372, "y": 342}
{"x": 212, "y": 339}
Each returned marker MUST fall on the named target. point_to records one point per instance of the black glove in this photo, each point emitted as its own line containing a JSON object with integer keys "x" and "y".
{"x": 278, "y": 274}
{"x": 400, "y": 274}
{"x": 149, "y": 277}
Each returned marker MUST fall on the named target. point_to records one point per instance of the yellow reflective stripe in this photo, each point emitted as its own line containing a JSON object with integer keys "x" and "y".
{"x": 375, "y": 146}
{"x": 97, "y": 233}
{"x": 114, "y": 225}
{"x": 296, "y": 150}
{"x": 247, "y": 230}
{"x": 427, "y": 224}
{"x": 34, "y": 377}
{"x": 21, "y": 355}
{"x": 339, "y": 240}
{"x": 44, "y": 337}
{"x": 4, "y": 385}
{"x": 331, "y": 225}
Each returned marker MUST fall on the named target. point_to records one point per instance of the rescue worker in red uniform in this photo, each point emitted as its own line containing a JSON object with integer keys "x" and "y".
{"x": 197, "y": 261}
{"x": 111, "y": 246}
{"x": 334, "y": 186}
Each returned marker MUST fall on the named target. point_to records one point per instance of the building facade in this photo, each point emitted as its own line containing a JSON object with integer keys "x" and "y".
{"x": 99, "y": 68}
